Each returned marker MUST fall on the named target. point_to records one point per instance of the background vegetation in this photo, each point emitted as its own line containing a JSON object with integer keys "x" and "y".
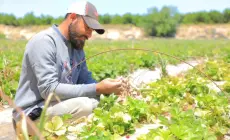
{"x": 110, "y": 64}
{"x": 156, "y": 22}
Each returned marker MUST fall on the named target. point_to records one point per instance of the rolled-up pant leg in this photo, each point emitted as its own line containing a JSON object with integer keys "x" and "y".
{"x": 78, "y": 107}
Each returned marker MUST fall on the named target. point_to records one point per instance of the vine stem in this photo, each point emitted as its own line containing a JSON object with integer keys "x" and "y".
{"x": 146, "y": 50}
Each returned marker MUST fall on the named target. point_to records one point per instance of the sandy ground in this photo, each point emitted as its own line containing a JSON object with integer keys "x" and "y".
{"x": 6, "y": 127}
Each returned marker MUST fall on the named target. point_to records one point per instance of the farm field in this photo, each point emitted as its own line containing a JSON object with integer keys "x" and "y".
{"x": 183, "y": 107}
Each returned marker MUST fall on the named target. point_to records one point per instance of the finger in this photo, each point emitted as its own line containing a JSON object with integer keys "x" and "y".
{"x": 109, "y": 79}
{"x": 119, "y": 90}
{"x": 118, "y": 84}
{"x": 112, "y": 80}
{"x": 119, "y": 78}
{"x": 118, "y": 93}
{"x": 123, "y": 84}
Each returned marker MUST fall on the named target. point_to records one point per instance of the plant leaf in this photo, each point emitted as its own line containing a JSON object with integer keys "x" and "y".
{"x": 49, "y": 127}
{"x": 57, "y": 122}
{"x": 60, "y": 131}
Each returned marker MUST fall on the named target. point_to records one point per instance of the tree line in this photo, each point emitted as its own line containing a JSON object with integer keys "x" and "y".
{"x": 156, "y": 22}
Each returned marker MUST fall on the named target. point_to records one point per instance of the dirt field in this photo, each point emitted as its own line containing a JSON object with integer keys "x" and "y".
{"x": 124, "y": 32}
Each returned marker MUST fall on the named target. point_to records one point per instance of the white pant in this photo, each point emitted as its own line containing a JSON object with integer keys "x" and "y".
{"x": 77, "y": 107}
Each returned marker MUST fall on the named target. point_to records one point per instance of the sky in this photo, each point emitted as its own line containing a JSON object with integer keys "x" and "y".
{"x": 58, "y": 8}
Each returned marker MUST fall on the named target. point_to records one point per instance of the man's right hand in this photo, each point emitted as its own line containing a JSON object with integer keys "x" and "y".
{"x": 108, "y": 86}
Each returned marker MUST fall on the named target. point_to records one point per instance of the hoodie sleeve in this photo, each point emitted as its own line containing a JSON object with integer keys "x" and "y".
{"x": 42, "y": 58}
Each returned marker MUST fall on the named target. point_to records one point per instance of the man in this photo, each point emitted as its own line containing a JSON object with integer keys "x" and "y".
{"x": 50, "y": 65}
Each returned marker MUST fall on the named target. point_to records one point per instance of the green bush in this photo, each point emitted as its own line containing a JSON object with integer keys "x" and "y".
{"x": 198, "y": 17}
{"x": 216, "y": 17}
{"x": 226, "y": 15}
{"x": 117, "y": 19}
{"x": 105, "y": 19}
{"x": 161, "y": 23}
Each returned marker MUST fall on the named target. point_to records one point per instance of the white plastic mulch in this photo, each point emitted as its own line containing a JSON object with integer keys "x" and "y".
{"x": 145, "y": 76}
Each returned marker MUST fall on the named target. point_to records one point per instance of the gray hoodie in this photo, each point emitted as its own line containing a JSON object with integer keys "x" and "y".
{"x": 47, "y": 60}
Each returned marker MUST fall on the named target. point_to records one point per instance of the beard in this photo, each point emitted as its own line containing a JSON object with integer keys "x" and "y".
{"x": 76, "y": 43}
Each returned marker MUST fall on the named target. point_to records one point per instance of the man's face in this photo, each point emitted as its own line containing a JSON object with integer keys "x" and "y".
{"x": 78, "y": 33}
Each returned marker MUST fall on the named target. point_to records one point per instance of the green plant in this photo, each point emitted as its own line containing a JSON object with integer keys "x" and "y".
{"x": 226, "y": 87}
{"x": 161, "y": 23}
{"x": 54, "y": 127}
{"x": 2, "y": 36}
{"x": 163, "y": 65}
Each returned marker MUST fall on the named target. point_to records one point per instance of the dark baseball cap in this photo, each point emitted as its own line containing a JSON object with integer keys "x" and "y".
{"x": 89, "y": 14}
